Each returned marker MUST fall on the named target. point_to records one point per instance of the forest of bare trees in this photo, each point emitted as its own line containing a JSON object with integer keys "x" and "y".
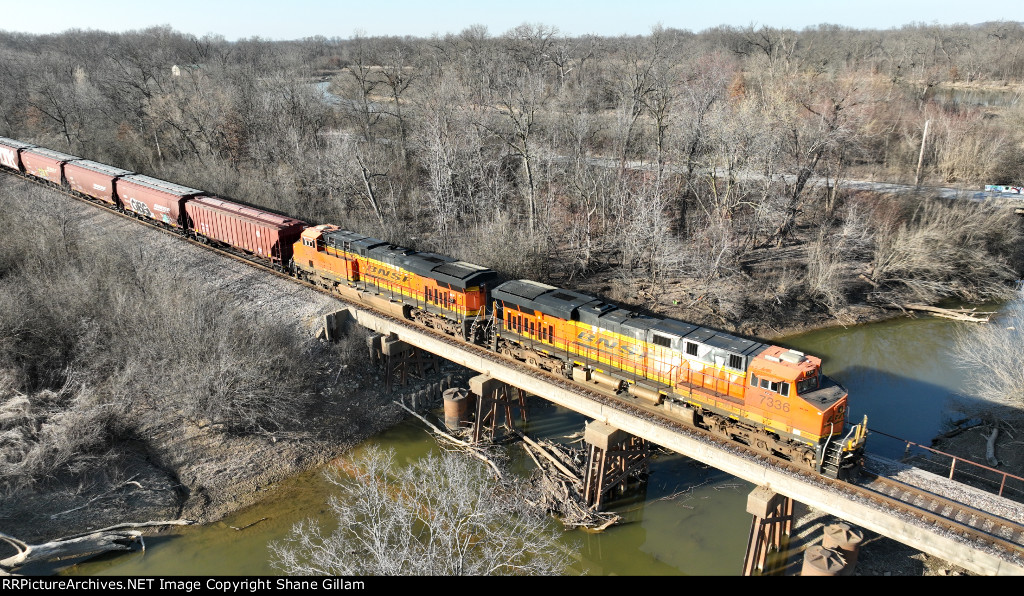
{"x": 703, "y": 170}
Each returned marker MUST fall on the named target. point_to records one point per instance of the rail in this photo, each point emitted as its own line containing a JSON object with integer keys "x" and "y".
{"x": 960, "y": 469}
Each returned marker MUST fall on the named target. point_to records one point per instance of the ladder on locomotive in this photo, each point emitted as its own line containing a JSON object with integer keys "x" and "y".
{"x": 831, "y": 459}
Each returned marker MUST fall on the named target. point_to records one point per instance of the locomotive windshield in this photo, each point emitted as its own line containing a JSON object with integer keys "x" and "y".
{"x": 811, "y": 383}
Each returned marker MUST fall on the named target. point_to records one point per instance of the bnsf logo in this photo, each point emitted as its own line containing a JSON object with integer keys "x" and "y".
{"x": 606, "y": 343}
{"x": 387, "y": 273}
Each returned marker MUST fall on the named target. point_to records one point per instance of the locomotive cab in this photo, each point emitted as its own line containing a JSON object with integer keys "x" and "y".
{"x": 798, "y": 401}
{"x": 794, "y": 397}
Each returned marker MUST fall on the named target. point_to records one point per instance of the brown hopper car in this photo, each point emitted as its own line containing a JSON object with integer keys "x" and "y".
{"x": 10, "y": 153}
{"x": 46, "y": 163}
{"x": 94, "y": 179}
{"x": 257, "y": 232}
{"x": 153, "y": 198}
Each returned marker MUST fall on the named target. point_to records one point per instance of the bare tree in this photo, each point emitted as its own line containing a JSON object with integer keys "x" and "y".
{"x": 993, "y": 362}
{"x": 442, "y": 516}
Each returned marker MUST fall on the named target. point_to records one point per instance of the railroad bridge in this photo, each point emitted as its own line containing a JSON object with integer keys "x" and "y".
{"x": 952, "y": 536}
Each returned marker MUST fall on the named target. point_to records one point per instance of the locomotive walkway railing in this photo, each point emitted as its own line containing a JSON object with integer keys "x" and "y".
{"x": 960, "y": 469}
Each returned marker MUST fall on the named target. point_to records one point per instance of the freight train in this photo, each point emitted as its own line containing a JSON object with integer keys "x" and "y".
{"x": 772, "y": 399}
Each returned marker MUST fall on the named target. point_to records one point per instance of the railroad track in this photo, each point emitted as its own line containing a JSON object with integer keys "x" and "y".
{"x": 959, "y": 519}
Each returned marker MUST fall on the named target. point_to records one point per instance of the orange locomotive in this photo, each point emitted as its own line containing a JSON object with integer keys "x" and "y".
{"x": 767, "y": 397}
{"x": 436, "y": 291}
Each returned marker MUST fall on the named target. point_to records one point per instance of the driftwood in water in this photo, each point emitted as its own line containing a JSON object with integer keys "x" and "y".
{"x": 121, "y": 537}
{"x": 465, "y": 446}
{"x": 562, "y": 490}
{"x": 969, "y": 315}
{"x": 561, "y": 467}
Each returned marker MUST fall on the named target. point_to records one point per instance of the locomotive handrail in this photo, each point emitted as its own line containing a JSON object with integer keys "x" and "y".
{"x": 952, "y": 468}
{"x": 824, "y": 448}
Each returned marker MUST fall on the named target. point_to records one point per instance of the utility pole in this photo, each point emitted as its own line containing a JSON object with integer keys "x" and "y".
{"x": 920, "y": 158}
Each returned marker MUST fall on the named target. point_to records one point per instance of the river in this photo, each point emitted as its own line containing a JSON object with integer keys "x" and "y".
{"x": 690, "y": 519}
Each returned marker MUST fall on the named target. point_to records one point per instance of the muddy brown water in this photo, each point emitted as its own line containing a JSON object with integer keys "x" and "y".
{"x": 689, "y": 519}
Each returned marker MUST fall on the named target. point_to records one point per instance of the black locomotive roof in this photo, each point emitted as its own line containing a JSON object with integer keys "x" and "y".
{"x": 162, "y": 185}
{"x": 462, "y": 275}
{"x": 366, "y": 243}
{"x": 735, "y": 344}
{"x": 423, "y": 263}
{"x": 562, "y": 303}
{"x": 637, "y": 326}
{"x": 595, "y": 313}
{"x": 537, "y": 296}
{"x": 518, "y": 290}
{"x": 390, "y": 253}
{"x": 15, "y": 144}
{"x": 101, "y": 168}
{"x": 347, "y": 240}
{"x": 456, "y": 274}
{"x": 675, "y": 327}
{"x": 53, "y": 154}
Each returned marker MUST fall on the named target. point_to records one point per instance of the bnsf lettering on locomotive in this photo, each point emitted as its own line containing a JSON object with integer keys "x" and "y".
{"x": 382, "y": 271}
{"x": 609, "y": 344}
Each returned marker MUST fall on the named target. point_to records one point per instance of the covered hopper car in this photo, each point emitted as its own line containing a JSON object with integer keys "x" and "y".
{"x": 10, "y": 154}
{"x": 257, "y": 232}
{"x": 45, "y": 164}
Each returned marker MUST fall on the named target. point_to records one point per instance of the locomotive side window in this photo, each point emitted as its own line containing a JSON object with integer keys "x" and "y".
{"x": 774, "y": 386}
{"x": 691, "y": 348}
{"x": 753, "y": 380}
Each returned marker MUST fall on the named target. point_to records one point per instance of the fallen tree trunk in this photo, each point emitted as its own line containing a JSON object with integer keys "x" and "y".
{"x": 88, "y": 544}
{"x": 960, "y": 314}
{"x": 990, "y": 448}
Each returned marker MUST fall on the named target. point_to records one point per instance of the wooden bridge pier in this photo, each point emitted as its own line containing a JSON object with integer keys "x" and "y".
{"x": 494, "y": 398}
{"x": 615, "y": 456}
{"x": 399, "y": 359}
{"x": 769, "y": 530}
